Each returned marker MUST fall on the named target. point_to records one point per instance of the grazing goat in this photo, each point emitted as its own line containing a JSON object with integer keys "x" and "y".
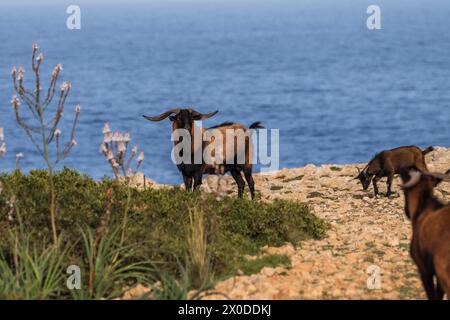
{"x": 390, "y": 162}
{"x": 192, "y": 172}
{"x": 430, "y": 243}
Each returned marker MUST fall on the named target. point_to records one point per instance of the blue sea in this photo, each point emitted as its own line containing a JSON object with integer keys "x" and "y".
{"x": 337, "y": 91}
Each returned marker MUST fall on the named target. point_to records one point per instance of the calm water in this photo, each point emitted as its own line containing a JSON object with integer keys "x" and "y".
{"x": 337, "y": 91}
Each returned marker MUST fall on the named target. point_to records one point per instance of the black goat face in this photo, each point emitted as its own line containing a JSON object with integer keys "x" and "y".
{"x": 365, "y": 179}
{"x": 183, "y": 120}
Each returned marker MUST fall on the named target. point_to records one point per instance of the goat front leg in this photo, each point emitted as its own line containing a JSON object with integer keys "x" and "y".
{"x": 389, "y": 184}
{"x": 197, "y": 181}
{"x": 187, "y": 182}
{"x": 236, "y": 174}
{"x": 375, "y": 186}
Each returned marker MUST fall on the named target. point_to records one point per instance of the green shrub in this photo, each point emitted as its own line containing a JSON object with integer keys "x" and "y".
{"x": 158, "y": 220}
{"x": 29, "y": 271}
{"x": 249, "y": 267}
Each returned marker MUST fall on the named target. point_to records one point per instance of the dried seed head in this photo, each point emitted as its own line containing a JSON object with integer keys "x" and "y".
{"x": 114, "y": 163}
{"x": 34, "y": 46}
{"x": 40, "y": 57}
{"x": 2, "y": 135}
{"x": 77, "y": 109}
{"x": 2, "y": 149}
{"x": 127, "y": 137}
{"x": 129, "y": 172}
{"x": 65, "y": 86}
{"x": 13, "y": 71}
{"x": 57, "y": 132}
{"x": 134, "y": 150}
{"x": 107, "y": 138}
{"x": 106, "y": 128}
{"x": 20, "y": 74}
{"x": 73, "y": 143}
{"x": 110, "y": 156}
{"x": 141, "y": 156}
{"x": 19, "y": 155}
{"x": 121, "y": 148}
{"x": 103, "y": 149}
{"x": 56, "y": 70}
{"x": 115, "y": 137}
{"x": 15, "y": 102}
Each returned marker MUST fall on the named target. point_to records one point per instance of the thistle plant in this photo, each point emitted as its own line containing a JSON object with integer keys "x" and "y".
{"x": 115, "y": 148}
{"x": 42, "y": 130}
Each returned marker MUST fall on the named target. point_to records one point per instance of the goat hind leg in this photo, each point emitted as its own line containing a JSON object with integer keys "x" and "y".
{"x": 439, "y": 291}
{"x": 428, "y": 284}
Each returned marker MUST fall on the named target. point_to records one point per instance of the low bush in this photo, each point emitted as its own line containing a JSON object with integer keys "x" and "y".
{"x": 249, "y": 267}
{"x": 159, "y": 226}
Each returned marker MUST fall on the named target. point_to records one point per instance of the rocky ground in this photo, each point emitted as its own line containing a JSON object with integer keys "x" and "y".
{"x": 369, "y": 234}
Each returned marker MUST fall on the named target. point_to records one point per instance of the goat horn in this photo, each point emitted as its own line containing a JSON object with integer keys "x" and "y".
{"x": 414, "y": 179}
{"x": 163, "y": 115}
{"x": 202, "y": 116}
{"x": 359, "y": 172}
{"x": 440, "y": 176}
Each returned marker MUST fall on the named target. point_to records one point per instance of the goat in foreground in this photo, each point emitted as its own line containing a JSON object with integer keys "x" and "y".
{"x": 430, "y": 243}
{"x": 390, "y": 162}
{"x": 192, "y": 172}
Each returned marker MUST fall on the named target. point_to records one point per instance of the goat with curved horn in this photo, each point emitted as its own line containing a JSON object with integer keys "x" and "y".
{"x": 430, "y": 218}
{"x": 163, "y": 115}
{"x": 237, "y": 160}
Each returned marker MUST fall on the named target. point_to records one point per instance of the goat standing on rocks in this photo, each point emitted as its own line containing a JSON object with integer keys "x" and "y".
{"x": 430, "y": 243}
{"x": 390, "y": 162}
{"x": 192, "y": 172}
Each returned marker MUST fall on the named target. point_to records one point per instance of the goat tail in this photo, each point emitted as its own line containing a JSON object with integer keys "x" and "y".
{"x": 256, "y": 125}
{"x": 427, "y": 150}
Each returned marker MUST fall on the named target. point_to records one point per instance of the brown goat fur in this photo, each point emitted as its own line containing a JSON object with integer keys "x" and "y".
{"x": 192, "y": 173}
{"x": 391, "y": 162}
{"x": 430, "y": 243}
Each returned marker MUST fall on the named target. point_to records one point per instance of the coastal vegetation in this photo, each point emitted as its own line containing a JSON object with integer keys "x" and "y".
{"x": 178, "y": 239}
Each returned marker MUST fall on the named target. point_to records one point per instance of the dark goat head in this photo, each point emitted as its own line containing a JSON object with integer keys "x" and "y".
{"x": 364, "y": 177}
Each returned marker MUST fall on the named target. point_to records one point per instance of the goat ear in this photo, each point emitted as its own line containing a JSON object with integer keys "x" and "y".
{"x": 414, "y": 178}
{"x": 202, "y": 116}
{"x": 162, "y": 116}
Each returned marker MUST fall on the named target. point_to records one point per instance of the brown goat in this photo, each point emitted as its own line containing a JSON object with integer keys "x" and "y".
{"x": 390, "y": 162}
{"x": 430, "y": 243}
{"x": 192, "y": 172}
